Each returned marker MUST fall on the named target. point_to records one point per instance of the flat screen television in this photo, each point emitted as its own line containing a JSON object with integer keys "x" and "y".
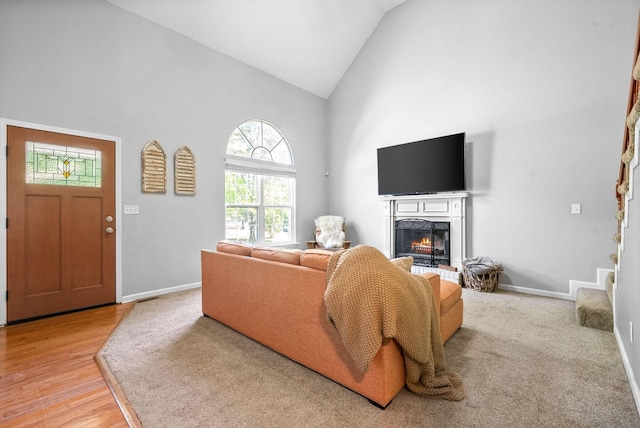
{"x": 427, "y": 166}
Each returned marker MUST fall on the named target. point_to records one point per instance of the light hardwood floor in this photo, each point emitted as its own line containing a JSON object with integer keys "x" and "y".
{"x": 48, "y": 375}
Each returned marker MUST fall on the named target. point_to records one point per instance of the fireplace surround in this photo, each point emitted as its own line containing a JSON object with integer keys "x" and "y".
{"x": 416, "y": 211}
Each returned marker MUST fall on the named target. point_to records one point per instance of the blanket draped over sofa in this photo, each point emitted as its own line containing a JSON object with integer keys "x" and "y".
{"x": 368, "y": 299}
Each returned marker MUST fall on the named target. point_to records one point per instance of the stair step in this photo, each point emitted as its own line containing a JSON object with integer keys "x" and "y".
{"x": 593, "y": 309}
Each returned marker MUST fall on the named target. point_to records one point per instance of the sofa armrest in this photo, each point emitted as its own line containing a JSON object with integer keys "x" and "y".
{"x": 434, "y": 280}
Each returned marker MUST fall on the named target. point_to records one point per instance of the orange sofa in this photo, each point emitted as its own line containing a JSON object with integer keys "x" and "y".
{"x": 276, "y": 297}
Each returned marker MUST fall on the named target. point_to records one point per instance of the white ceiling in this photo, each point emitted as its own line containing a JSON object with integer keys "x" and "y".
{"x": 308, "y": 43}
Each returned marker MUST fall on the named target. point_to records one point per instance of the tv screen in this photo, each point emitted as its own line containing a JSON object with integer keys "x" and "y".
{"x": 426, "y": 166}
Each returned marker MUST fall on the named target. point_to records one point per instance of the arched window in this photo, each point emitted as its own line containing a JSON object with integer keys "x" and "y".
{"x": 259, "y": 185}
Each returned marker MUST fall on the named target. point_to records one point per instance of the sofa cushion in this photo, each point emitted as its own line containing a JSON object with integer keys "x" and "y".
{"x": 291, "y": 257}
{"x": 234, "y": 247}
{"x": 450, "y": 294}
{"x": 404, "y": 263}
{"x": 316, "y": 259}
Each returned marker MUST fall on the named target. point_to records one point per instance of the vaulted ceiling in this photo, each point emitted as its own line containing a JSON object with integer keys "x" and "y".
{"x": 308, "y": 43}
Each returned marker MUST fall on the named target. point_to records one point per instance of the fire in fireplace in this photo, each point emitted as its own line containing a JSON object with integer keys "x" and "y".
{"x": 426, "y": 241}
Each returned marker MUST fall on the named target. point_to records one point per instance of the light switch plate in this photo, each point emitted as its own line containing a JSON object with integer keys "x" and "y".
{"x": 576, "y": 208}
{"x": 131, "y": 209}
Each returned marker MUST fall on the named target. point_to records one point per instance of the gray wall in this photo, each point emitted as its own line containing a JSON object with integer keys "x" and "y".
{"x": 540, "y": 88}
{"x": 90, "y": 66}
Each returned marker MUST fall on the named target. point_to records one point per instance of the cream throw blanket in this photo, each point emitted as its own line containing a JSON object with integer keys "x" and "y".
{"x": 369, "y": 299}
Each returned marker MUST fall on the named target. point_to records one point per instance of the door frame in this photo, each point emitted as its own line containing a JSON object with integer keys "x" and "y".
{"x": 4, "y": 123}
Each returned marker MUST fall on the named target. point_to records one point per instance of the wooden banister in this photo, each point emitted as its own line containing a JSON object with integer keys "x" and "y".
{"x": 634, "y": 87}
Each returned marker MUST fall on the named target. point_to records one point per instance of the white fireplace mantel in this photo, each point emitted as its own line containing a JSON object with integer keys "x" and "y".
{"x": 450, "y": 207}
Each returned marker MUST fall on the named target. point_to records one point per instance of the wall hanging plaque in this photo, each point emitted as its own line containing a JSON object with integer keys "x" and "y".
{"x": 154, "y": 168}
{"x": 185, "y": 172}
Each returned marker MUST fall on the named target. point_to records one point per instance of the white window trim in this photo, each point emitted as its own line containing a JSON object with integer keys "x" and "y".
{"x": 240, "y": 164}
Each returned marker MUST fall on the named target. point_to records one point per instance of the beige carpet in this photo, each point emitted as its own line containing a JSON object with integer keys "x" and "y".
{"x": 524, "y": 360}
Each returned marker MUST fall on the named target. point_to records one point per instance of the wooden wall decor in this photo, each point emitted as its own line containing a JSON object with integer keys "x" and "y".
{"x": 185, "y": 172}
{"x": 154, "y": 168}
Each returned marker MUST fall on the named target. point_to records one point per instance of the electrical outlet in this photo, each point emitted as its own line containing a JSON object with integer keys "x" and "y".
{"x": 631, "y": 331}
{"x": 131, "y": 209}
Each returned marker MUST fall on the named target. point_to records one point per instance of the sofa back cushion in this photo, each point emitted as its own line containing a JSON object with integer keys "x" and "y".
{"x": 316, "y": 259}
{"x": 233, "y": 247}
{"x": 291, "y": 257}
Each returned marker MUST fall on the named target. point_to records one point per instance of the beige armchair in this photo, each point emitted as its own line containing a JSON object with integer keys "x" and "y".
{"x": 330, "y": 233}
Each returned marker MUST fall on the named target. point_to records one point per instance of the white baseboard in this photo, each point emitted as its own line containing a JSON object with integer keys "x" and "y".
{"x": 573, "y": 287}
{"x": 635, "y": 390}
{"x": 156, "y": 293}
{"x": 600, "y": 285}
{"x": 535, "y": 291}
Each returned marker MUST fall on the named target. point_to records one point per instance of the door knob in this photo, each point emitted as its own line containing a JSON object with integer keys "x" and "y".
{"x": 109, "y": 230}
{"x": 109, "y": 219}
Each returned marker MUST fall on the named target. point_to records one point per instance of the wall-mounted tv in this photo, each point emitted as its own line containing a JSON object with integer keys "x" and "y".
{"x": 427, "y": 166}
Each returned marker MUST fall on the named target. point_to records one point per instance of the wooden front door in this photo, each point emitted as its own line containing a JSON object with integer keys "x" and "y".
{"x": 61, "y": 241}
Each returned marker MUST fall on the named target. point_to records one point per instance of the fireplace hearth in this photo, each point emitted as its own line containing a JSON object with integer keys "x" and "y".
{"x": 426, "y": 241}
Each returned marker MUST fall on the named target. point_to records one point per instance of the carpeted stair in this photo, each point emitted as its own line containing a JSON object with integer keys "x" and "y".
{"x": 593, "y": 309}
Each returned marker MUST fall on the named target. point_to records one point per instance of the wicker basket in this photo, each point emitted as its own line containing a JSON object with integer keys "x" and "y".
{"x": 485, "y": 282}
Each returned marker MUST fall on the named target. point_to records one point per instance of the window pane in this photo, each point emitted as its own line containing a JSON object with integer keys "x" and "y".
{"x": 62, "y": 165}
{"x": 242, "y": 224}
{"x": 277, "y": 191}
{"x": 281, "y": 154}
{"x": 260, "y": 140}
{"x": 238, "y": 145}
{"x": 270, "y": 136}
{"x": 262, "y": 154}
{"x": 253, "y": 132}
{"x": 277, "y": 225}
{"x": 240, "y": 188}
